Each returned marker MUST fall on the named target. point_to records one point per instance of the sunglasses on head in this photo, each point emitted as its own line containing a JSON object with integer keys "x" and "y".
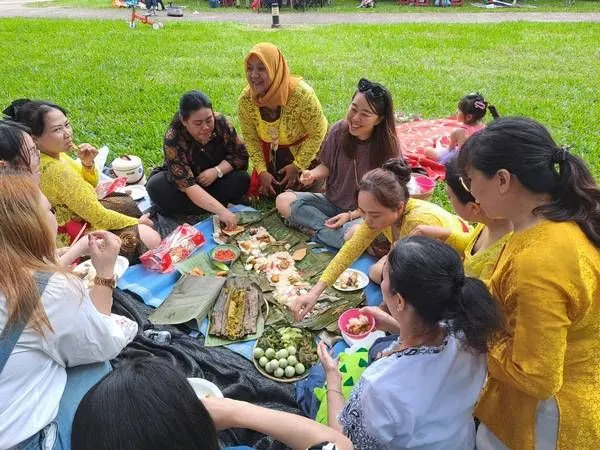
{"x": 365, "y": 85}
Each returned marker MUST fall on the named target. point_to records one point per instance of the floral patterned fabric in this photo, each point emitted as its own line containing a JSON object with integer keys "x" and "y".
{"x": 186, "y": 158}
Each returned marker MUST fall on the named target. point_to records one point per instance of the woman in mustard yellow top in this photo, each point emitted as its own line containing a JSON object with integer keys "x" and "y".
{"x": 543, "y": 388}
{"x": 70, "y": 185}
{"x": 281, "y": 120}
{"x": 480, "y": 249}
{"x": 386, "y": 208}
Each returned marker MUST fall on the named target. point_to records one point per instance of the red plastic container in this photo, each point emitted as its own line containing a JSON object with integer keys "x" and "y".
{"x": 352, "y": 313}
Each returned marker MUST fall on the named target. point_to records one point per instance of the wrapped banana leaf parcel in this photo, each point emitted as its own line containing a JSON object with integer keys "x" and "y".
{"x": 191, "y": 299}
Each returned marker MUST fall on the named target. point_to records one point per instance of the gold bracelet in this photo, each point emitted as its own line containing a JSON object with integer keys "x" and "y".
{"x": 333, "y": 390}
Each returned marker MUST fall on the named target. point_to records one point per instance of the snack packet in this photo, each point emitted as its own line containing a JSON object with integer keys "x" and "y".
{"x": 108, "y": 187}
{"x": 176, "y": 247}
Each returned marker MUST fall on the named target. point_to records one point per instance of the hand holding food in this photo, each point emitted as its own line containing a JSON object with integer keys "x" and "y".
{"x": 383, "y": 320}
{"x": 104, "y": 248}
{"x": 307, "y": 178}
{"x": 86, "y": 154}
{"x": 304, "y": 304}
{"x": 337, "y": 221}
{"x": 228, "y": 218}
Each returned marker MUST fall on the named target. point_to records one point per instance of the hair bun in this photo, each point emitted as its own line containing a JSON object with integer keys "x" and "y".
{"x": 12, "y": 110}
{"x": 399, "y": 168}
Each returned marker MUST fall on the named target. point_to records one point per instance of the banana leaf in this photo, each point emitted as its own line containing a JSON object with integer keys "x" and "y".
{"x": 275, "y": 226}
{"x": 200, "y": 260}
{"x": 191, "y": 298}
{"x": 248, "y": 217}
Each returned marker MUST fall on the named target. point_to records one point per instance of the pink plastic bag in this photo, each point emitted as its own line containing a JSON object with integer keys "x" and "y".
{"x": 176, "y": 247}
{"x": 108, "y": 187}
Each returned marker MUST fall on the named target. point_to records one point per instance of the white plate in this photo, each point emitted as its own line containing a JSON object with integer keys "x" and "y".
{"x": 363, "y": 280}
{"x": 135, "y": 191}
{"x": 86, "y": 267}
{"x": 204, "y": 388}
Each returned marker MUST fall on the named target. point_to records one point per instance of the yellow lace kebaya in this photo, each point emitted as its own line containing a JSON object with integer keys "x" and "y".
{"x": 481, "y": 264}
{"x": 301, "y": 122}
{"x": 416, "y": 212}
{"x": 70, "y": 189}
{"x": 548, "y": 282}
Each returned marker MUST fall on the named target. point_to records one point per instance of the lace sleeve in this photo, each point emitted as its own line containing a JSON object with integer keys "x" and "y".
{"x": 246, "y": 115}
{"x": 352, "y": 419}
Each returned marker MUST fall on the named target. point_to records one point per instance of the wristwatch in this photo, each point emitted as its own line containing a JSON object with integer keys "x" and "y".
{"x": 108, "y": 282}
{"x": 219, "y": 172}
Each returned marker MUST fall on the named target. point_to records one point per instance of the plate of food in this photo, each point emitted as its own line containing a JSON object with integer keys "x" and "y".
{"x": 285, "y": 354}
{"x": 87, "y": 272}
{"x": 225, "y": 253}
{"x": 204, "y": 388}
{"x": 135, "y": 191}
{"x": 351, "y": 280}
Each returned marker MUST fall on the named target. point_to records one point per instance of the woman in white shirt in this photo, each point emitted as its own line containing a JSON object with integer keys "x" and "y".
{"x": 421, "y": 388}
{"x": 44, "y": 335}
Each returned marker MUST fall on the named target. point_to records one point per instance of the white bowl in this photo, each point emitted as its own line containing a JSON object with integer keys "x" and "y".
{"x": 204, "y": 388}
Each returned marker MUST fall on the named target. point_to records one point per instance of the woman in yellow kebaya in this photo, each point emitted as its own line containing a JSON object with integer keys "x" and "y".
{"x": 543, "y": 387}
{"x": 386, "y": 208}
{"x": 282, "y": 122}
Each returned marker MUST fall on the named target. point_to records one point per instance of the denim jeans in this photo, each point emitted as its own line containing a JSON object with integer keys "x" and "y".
{"x": 57, "y": 435}
{"x": 311, "y": 211}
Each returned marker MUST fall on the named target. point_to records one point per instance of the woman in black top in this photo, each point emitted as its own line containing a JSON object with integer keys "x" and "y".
{"x": 206, "y": 163}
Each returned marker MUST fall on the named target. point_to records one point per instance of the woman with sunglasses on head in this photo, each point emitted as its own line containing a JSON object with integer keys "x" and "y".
{"x": 362, "y": 141}
{"x": 281, "y": 120}
{"x": 480, "y": 248}
{"x": 423, "y": 381}
{"x": 57, "y": 336}
{"x": 387, "y": 208}
{"x": 70, "y": 185}
{"x": 543, "y": 386}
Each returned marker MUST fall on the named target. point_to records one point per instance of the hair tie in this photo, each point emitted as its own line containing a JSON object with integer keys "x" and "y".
{"x": 560, "y": 154}
{"x": 480, "y": 105}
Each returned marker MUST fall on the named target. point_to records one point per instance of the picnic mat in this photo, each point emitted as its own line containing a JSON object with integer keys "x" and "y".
{"x": 153, "y": 288}
{"x": 418, "y": 136}
{"x": 234, "y": 375}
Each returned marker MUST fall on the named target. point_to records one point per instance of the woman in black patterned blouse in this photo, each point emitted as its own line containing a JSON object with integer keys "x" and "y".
{"x": 206, "y": 163}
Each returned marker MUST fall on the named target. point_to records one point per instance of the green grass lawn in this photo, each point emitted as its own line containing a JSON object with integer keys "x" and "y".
{"x": 383, "y": 6}
{"x": 122, "y": 85}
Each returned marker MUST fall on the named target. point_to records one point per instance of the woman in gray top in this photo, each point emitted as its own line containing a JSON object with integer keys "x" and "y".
{"x": 360, "y": 142}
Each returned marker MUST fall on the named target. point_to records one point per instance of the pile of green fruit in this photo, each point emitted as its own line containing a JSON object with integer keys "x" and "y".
{"x": 285, "y": 352}
{"x": 280, "y": 362}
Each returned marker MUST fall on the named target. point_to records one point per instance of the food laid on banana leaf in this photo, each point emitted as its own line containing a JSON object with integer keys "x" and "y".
{"x": 223, "y": 236}
{"x": 285, "y": 352}
{"x": 236, "y": 311}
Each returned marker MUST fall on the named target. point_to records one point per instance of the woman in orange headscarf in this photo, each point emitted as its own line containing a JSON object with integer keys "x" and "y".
{"x": 281, "y": 119}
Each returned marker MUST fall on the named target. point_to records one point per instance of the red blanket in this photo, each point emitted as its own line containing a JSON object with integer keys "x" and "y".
{"x": 417, "y": 136}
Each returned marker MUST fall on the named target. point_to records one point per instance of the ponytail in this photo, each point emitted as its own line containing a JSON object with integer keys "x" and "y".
{"x": 476, "y": 105}
{"x": 493, "y": 111}
{"x": 526, "y": 149}
{"x": 429, "y": 275}
{"x": 474, "y": 313}
{"x": 576, "y": 197}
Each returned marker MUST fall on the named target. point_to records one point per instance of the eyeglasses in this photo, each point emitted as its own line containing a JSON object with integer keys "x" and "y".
{"x": 465, "y": 183}
{"x": 376, "y": 89}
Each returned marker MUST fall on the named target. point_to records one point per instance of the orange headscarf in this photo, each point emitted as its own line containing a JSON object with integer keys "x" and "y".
{"x": 282, "y": 83}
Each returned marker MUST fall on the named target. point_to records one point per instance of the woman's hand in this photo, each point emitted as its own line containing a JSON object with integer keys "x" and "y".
{"x": 228, "y": 218}
{"x": 307, "y": 178}
{"x": 431, "y": 231}
{"x": 104, "y": 248}
{"x": 86, "y": 154}
{"x": 290, "y": 176}
{"x": 266, "y": 184}
{"x": 330, "y": 364}
{"x": 337, "y": 221}
{"x": 145, "y": 220}
{"x": 303, "y": 305}
{"x": 207, "y": 177}
{"x": 383, "y": 320}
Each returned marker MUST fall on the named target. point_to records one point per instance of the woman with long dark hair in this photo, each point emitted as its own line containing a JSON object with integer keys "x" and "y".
{"x": 362, "y": 141}
{"x": 423, "y": 381}
{"x": 544, "y": 378}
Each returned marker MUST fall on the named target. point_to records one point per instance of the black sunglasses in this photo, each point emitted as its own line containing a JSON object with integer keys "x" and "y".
{"x": 376, "y": 89}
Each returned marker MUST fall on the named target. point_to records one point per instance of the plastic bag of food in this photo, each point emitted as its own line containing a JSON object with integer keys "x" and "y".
{"x": 108, "y": 187}
{"x": 176, "y": 247}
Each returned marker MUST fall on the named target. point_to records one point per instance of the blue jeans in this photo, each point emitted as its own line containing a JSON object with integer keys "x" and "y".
{"x": 80, "y": 379}
{"x": 311, "y": 211}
